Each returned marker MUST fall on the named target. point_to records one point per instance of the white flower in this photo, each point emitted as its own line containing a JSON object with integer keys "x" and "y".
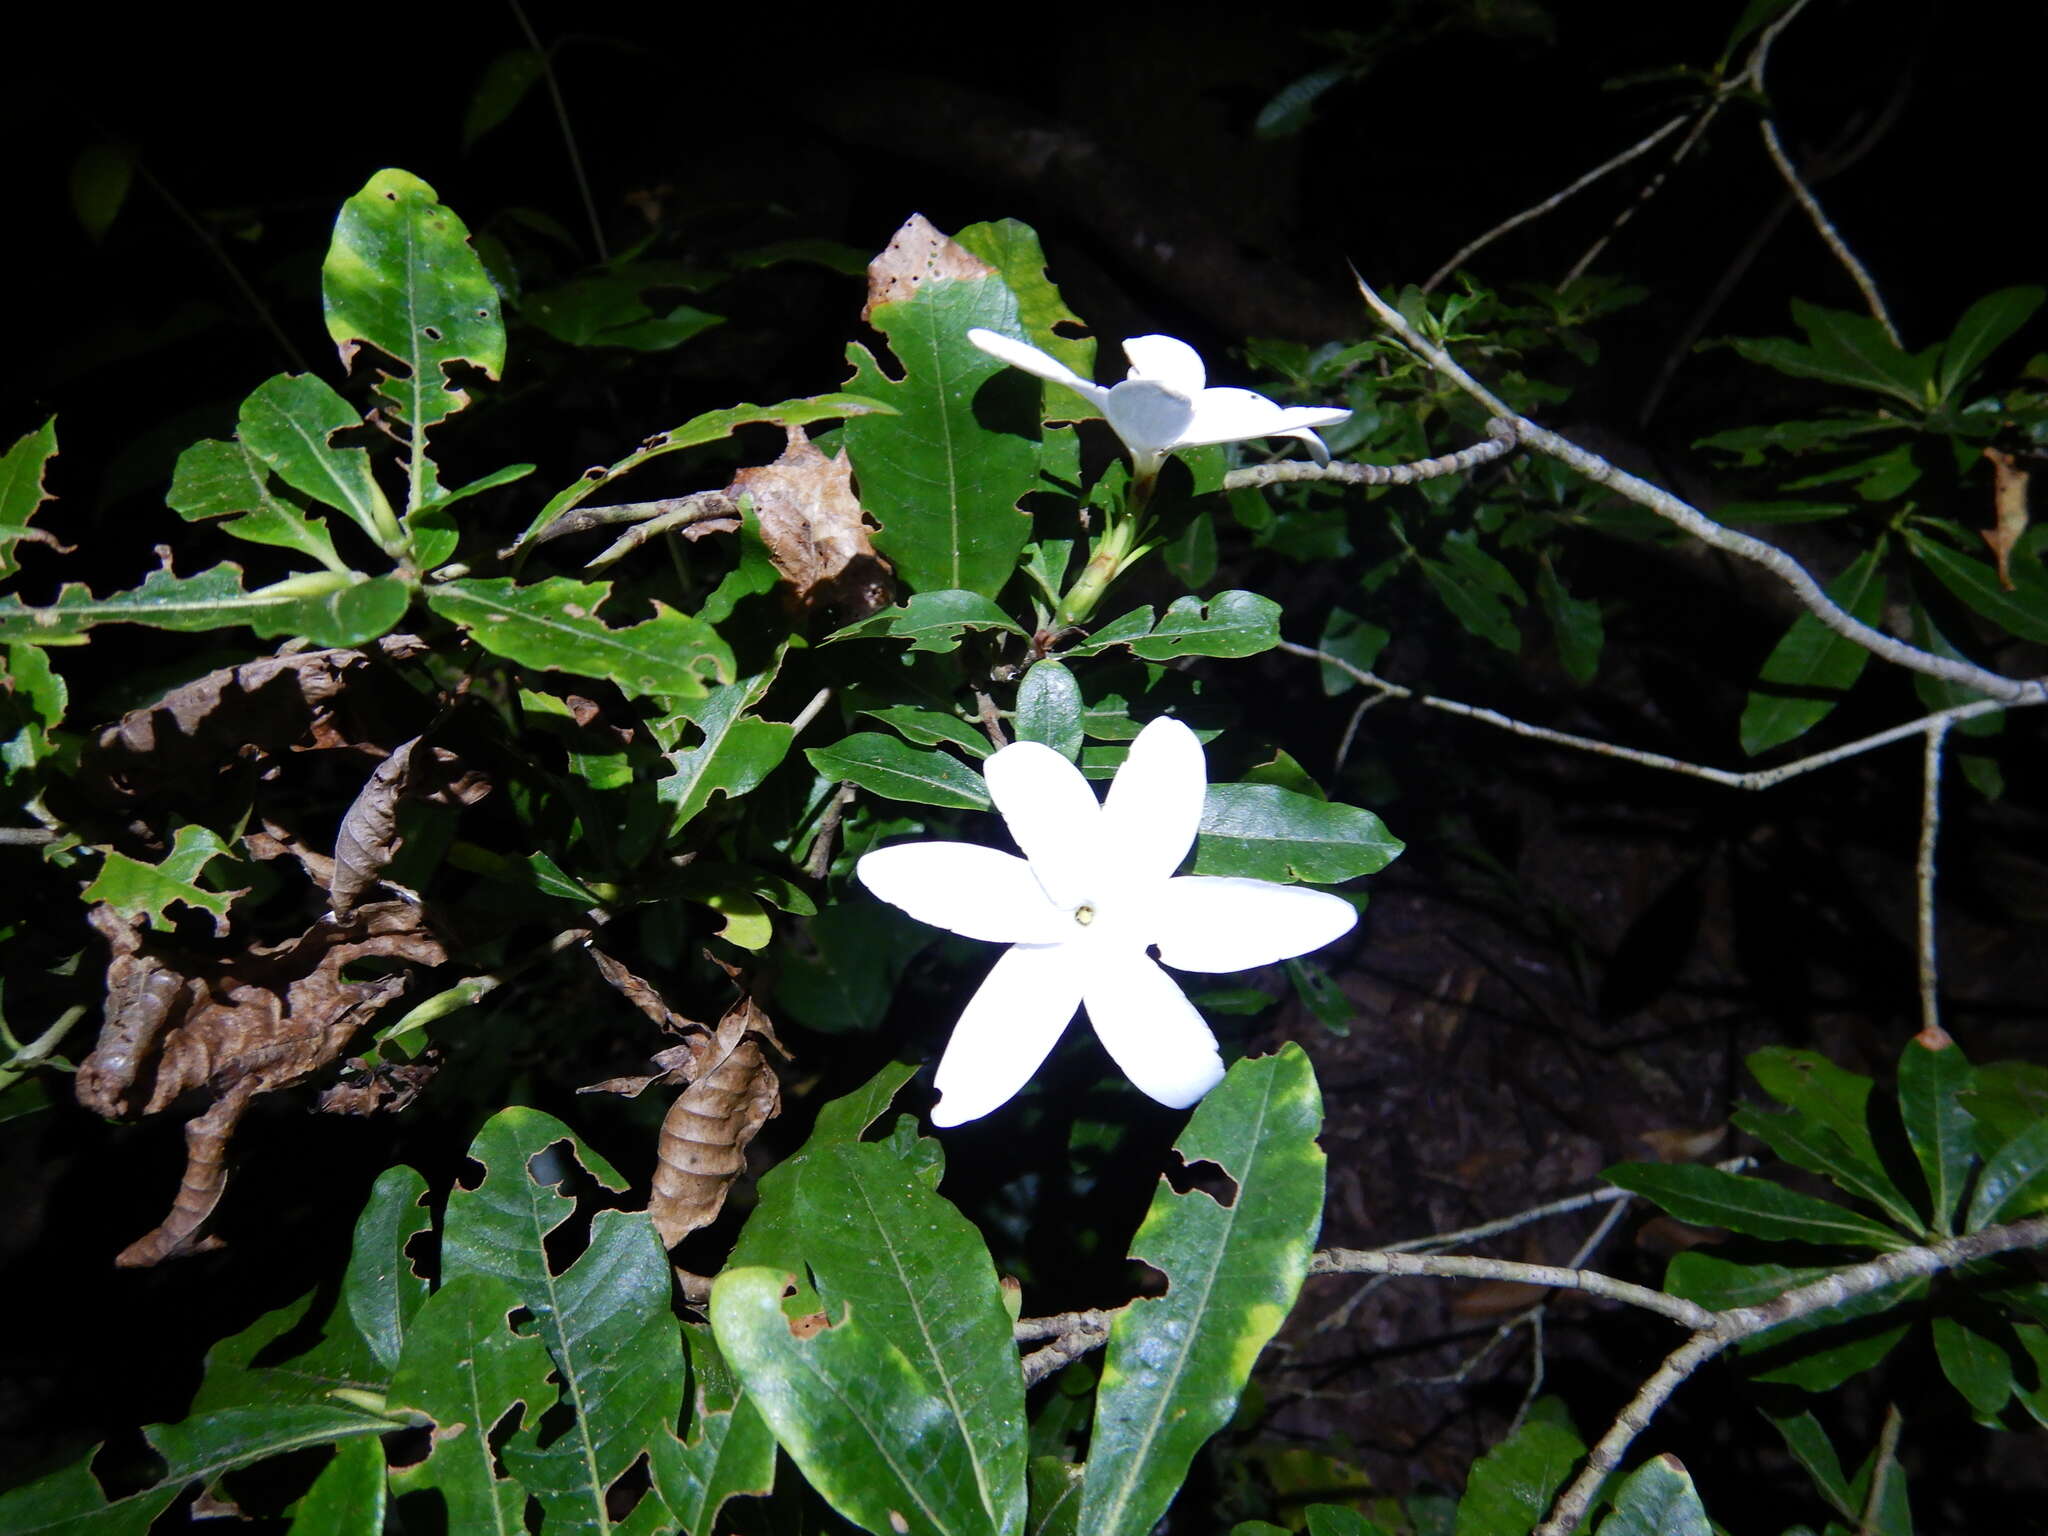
{"x": 1093, "y": 897}
{"x": 1163, "y": 405}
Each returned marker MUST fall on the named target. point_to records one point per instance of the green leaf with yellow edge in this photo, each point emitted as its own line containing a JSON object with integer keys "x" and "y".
{"x": 728, "y": 1452}
{"x": 228, "y": 481}
{"x": 733, "y": 752}
{"x": 944, "y": 476}
{"x": 288, "y": 422}
{"x": 1176, "y": 1364}
{"x": 21, "y": 491}
{"x": 466, "y": 1366}
{"x": 1708, "y": 1197}
{"x": 890, "y": 767}
{"x": 554, "y": 625}
{"x": 135, "y": 889}
{"x": 347, "y": 1498}
{"x": 1934, "y": 1079}
{"x": 1814, "y": 662}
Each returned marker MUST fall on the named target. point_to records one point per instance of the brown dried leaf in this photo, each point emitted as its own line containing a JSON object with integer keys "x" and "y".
{"x": 915, "y": 255}
{"x": 642, "y": 994}
{"x": 815, "y": 530}
{"x": 732, "y": 1093}
{"x": 674, "y": 1066}
{"x": 386, "y": 1088}
{"x": 1490, "y": 1299}
{"x": 2009, "y": 496}
{"x": 1677, "y": 1144}
{"x": 368, "y": 839}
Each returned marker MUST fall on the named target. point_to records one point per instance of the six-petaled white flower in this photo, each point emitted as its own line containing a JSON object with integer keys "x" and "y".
{"x": 1093, "y": 899}
{"x": 1164, "y": 404}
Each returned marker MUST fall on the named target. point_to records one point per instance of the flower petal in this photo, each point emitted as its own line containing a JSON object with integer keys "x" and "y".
{"x": 1237, "y": 415}
{"x": 1149, "y": 1027}
{"x": 1009, "y": 1026}
{"x": 964, "y": 888}
{"x": 1148, "y": 416}
{"x": 1053, "y": 815}
{"x": 1222, "y": 923}
{"x": 1155, "y": 802}
{"x": 1167, "y": 360}
{"x": 1021, "y": 354}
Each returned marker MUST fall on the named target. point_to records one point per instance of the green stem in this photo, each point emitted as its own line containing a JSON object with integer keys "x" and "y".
{"x": 1117, "y": 547}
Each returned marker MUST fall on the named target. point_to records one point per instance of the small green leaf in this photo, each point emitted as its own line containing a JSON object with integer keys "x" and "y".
{"x": 1576, "y": 623}
{"x": 1832, "y": 1096}
{"x": 323, "y": 606}
{"x": 889, "y": 767}
{"x": 1229, "y": 624}
{"x": 1808, "y": 1442}
{"x": 929, "y": 728}
{"x": 619, "y": 308}
{"x": 1348, "y": 636}
{"x": 33, "y": 699}
{"x": 1812, "y": 660}
{"x": 227, "y": 480}
{"x": 735, "y": 751}
{"x": 21, "y": 491}
{"x": 1267, "y": 833}
{"x": 100, "y": 178}
{"x": 553, "y": 624}
{"x": 505, "y": 83}
{"x": 1657, "y": 1499}
{"x": 347, "y": 1498}
{"x": 1176, "y": 1364}
{"x": 2014, "y": 1181}
{"x": 135, "y": 889}
{"x": 287, "y": 422}
{"x": 1709, "y": 1197}
{"x": 2022, "y": 612}
{"x": 729, "y": 1451}
{"x": 1511, "y": 1486}
{"x": 1482, "y": 612}
{"x": 931, "y": 621}
{"x": 380, "y": 1287}
{"x": 1049, "y": 709}
{"x": 1805, "y": 1143}
{"x": 1934, "y": 1075}
{"x": 1055, "y": 1487}
{"x": 1985, "y": 326}
{"x": 1976, "y": 1366}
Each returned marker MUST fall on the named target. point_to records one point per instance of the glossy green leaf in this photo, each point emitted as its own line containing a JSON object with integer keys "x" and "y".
{"x": 1812, "y": 659}
{"x": 380, "y": 1288}
{"x": 944, "y": 477}
{"x": 1985, "y": 326}
{"x": 347, "y": 1498}
{"x": 1228, "y": 624}
{"x": 1709, "y": 1197}
{"x": 554, "y": 624}
{"x": 1125, "y": 630}
{"x": 226, "y": 480}
{"x": 21, "y": 491}
{"x": 1013, "y": 249}
{"x": 206, "y": 1445}
{"x": 307, "y": 1358}
{"x": 1805, "y": 1143}
{"x": 1055, "y": 1487}
{"x": 1833, "y": 1097}
{"x": 1268, "y": 833}
{"x": 1657, "y": 1499}
{"x": 1509, "y": 1489}
{"x": 71, "y": 1502}
{"x": 729, "y": 1451}
{"x": 1934, "y": 1077}
{"x": 1976, "y": 1366}
{"x": 605, "y": 1319}
{"x": 33, "y": 700}
{"x": 931, "y": 621}
{"x": 1809, "y": 1444}
{"x": 466, "y": 1367}
{"x": 733, "y": 752}
{"x": 1483, "y": 612}
{"x": 326, "y": 608}
{"x": 1176, "y": 1364}
{"x": 2014, "y": 1180}
{"x": 2022, "y": 611}
{"x": 287, "y": 423}
{"x": 135, "y": 889}
{"x": 847, "y": 982}
{"x": 929, "y": 728}
{"x": 1049, "y": 709}
{"x": 889, "y": 767}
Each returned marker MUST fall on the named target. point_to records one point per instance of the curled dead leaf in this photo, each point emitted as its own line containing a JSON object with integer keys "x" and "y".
{"x": 732, "y": 1093}
{"x": 368, "y": 839}
{"x": 915, "y": 255}
{"x": 2009, "y": 499}
{"x": 385, "y": 1088}
{"x": 816, "y": 532}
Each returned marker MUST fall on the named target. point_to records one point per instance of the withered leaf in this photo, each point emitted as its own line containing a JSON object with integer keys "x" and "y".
{"x": 2009, "y": 498}
{"x": 672, "y": 1066}
{"x": 915, "y": 255}
{"x": 386, "y": 1088}
{"x": 641, "y": 993}
{"x": 815, "y": 531}
{"x": 732, "y": 1093}
{"x": 368, "y": 839}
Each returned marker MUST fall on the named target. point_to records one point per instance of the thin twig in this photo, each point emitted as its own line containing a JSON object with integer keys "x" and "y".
{"x": 1739, "y": 1323}
{"x": 1881, "y": 1471}
{"x": 1704, "y": 528}
{"x": 1451, "y": 1266}
{"x": 1650, "y": 189}
{"x": 698, "y": 504}
{"x": 1093, "y": 1320}
{"x": 26, "y": 837}
{"x": 547, "y": 72}
{"x": 1064, "y": 1350}
{"x": 1474, "y": 247}
{"x": 219, "y": 253}
{"x": 1500, "y": 441}
{"x": 819, "y": 859}
{"x": 706, "y": 512}
{"x": 809, "y": 712}
{"x": 1923, "y": 869}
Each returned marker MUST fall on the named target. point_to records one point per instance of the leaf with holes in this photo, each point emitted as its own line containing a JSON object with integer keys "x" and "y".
{"x": 21, "y": 492}
{"x": 228, "y": 481}
{"x": 135, "y": 889}
{"x": 931, "y": 621}
{"x": 729, "y": 1452}
{"x": 605, "y": 1318}
{"x": 554, "y": 624}
{"x": 288, "y": 423}
{"x": 380, "y": 1288}
{"x": 1176, "y": 1364}
{"x": 325, "y": 607}
{"x": 733, "y": 752}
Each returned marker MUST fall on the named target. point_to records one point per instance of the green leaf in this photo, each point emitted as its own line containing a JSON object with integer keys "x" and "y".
{"x": 734, "y": 753}
{"x": 1013, "y": 249}
{"x": 2022, "y": 611}
{"x": 1708, "y": 1197}
{"x": 944, "y": 477}
{"x": 1346, "y": 635}
{"x": 1976, "y": 1366}
{"x": 1324, "y": 998}
{"x": 1657, "y": 1499}
{"x": 206, "y": 1445}
{"x": 1338, "y": 1520}
{"x": 1511, "y": 1486}
{"x": 1832, "y": 1096}
{"x": 308, "y": 1359}
{"x": 401, "y": 276}
{"x": 1133, "y": 626}
{"x": 467, "y": 1367}
{"x": 931, "y": 621}
{"x": 1229, "y": 624}
{"x": 729, "y": 1452}
{"x": 347, "y": 1498}
{"x": 1808, "y": 1442}
{"x": 227, "y": 480}
{"x": 287, "y": 423}
{"x": 1055, "y": 1497}
{"x": 380, "y": 1288}
{"x": 135, "y": 889}
{"x": 1481, "y": 611}
{"x": 888, "y": 767}
{"x": 2014, "y": 1181}
{"x": 553, "y": 624}
{"x": 859, "y": 951}
{"x": 1049, "y": 709}
{"x": 1268, "y": 833}
{"x": 506, "y": 80}
{"x": 1813, "y": 659}
{"x": 1985, "y": 326}
{"x": 615, "y": 308}
{"x": 1846, "y": 349}
{"x": 605, "y": 1319}
{"x": 100, "y": 178}
{"x": 326, "y": 608}
{"x": 1934, "y": 1075}
{"x": 1576, "y": 623}
{"x": 33, "y": 699}
{"x": 71, "y": 1502}
{"x": 929, "y": 728}
{"x": 1805, "y": 1143}
{"x": 21, "y": 492}
{"x": 1817, "y": 1352}
{"x": 1177, "y": 1363}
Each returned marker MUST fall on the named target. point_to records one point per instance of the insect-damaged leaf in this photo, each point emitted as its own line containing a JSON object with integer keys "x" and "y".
{"x": 729, "y": 1450}
{"x": 326, "y": 607}
{"x": 815, "y": 531}
{"x": 21, "y": 492}
{"x": 1177, "y": 1363}
{"x": 228, "y": 481}
{"x": 733, "y": 752}
{"x": 944, "y": 476}
{"x": 138, "y": 890}
{"x": 288, "y": 422}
